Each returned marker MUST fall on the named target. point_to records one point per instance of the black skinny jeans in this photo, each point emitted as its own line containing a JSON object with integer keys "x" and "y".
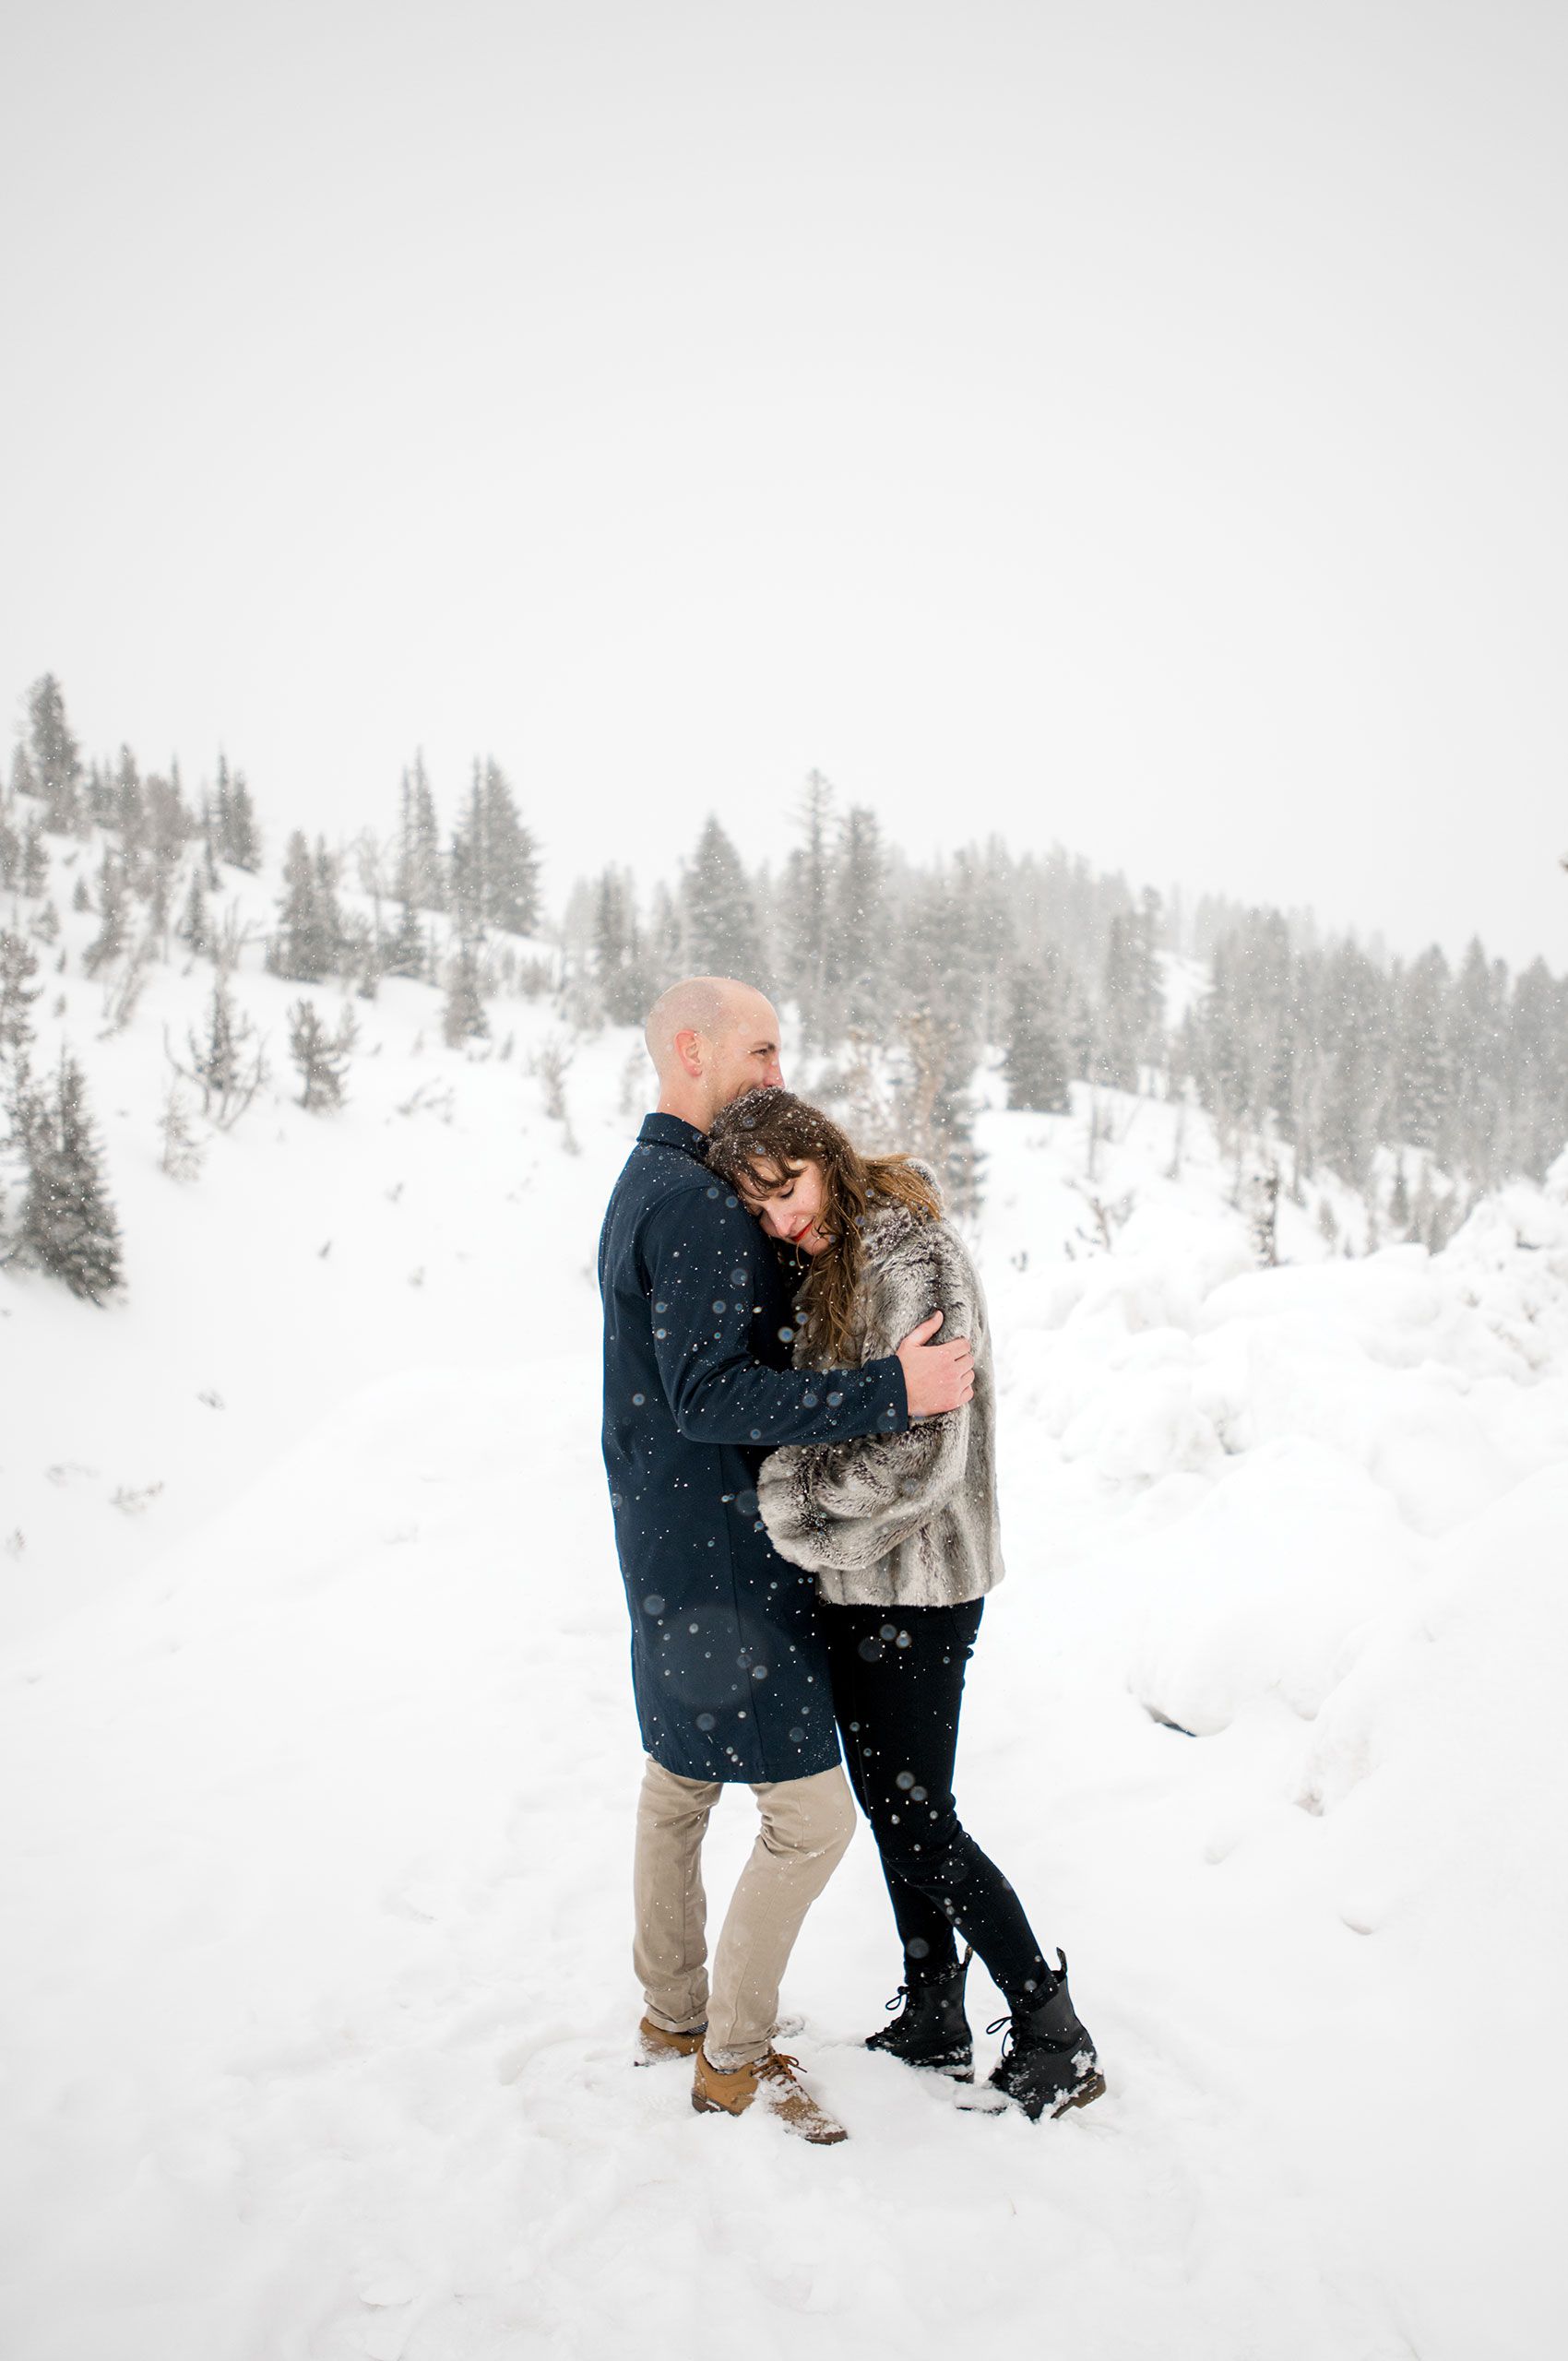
{"x": 897, "y": 1688}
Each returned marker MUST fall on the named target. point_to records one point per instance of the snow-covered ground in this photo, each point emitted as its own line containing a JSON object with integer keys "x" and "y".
{"x": 318, "y": 1768}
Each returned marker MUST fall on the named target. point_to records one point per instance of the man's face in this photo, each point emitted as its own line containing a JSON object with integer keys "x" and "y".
{"x": 746, "y": 1056}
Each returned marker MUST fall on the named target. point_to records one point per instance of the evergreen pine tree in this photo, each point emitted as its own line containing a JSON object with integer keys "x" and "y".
{"x": 67, "y": 1225}
{"x": 18, "y": 966}
{"x": 216, "y": 817}
{"x": 168, "y": 822}
{"x": 420, "y": 879}
{"x": 806, "y": 898}
{"x": 465, "y": 866}
{"x": 321, "y": 1057}
{"x": 663, "y": 941}
{"x": 1399, "y": 1200}
{"x": 405, "y": 954}
{"x": 1116, "y": 1059}
{"x": 35, "y": 856}
{"x": 98, "y": 804}
{"x": 1477, "y": 1034}
{"x": 1354, "y": 1023}
{"x": 1425, "y": 1080}
{"x": 1537, "y": 1069}
{"x": 245, "y": 835}
{"x": 24, "y": 779}
{"x": 719, "y": 916}
{"x": 856, "y": 953}
{"x": 232, "y": 831}
{"x": 56, "y": 759}
{"x": 509, "y": 857}
{"x": 194, "y": 927}
{"x": 463, "y": 1018}
{"x": 113, "y": 930}
{"x": 129, "y": 818}
{"x": 1035, "y": 1061}
{"x": 305, "y": 945}
{"x": 620, "y": 981}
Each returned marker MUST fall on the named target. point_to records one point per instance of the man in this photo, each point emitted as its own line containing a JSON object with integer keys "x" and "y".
{"x": 728, "y": 1666}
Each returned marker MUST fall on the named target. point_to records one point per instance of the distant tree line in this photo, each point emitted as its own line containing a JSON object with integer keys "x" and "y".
{"x": 458, "y": 910}
{"x": 904, "y": 975}
{"x": 1337, "y": 1055}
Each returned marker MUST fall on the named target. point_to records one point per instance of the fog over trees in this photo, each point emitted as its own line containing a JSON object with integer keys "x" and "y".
{"x": 1419, "y": 1082}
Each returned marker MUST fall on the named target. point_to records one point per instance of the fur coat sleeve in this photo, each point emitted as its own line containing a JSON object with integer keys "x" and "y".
{"x": 844, "y": 1508}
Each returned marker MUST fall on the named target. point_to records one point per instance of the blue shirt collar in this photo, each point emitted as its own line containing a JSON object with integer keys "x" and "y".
{"x": 669, "y": 1131}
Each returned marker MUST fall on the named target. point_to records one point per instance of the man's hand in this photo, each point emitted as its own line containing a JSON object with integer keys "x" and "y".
{"x": 936, "y": 1377}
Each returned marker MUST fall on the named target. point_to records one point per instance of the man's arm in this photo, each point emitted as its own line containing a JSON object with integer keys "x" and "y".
{"x": 700, "y": 1251}
{"x": 847, "y": 1508}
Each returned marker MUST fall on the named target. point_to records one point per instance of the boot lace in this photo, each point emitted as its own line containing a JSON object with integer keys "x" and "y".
{"x": 943, "y": 1975}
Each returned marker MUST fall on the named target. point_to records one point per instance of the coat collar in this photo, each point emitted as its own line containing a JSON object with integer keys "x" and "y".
{"x": 669, "y": 1131}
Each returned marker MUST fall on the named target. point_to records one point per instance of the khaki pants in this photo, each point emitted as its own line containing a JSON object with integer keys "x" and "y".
{"x": 806, "y": 1824}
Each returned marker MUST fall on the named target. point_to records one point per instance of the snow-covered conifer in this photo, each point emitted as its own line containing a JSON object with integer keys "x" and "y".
{"x": 807, "y": 898}
{"x": 857, "y": 980}
{"x": 306, "y": 944}
{"x": 322, "y": 1057}
{"x": 194, "y": 925}
{"x": 509, "y": 857}
{"x": 129, "y": 818}
{"x": 18, "y": 966}
{"x": 1035, "y": 1061}
{"x": 717, "y": 912}
{"x": 420, "y": 880}
{"x": 56, "y": 757}
{"x": 113, "y": 929}
{"x": 35, "y": 856}
{"x": 68, "y": 1226}
{"x": 180, "y": 1150}
{"x": 463, "y": 1017}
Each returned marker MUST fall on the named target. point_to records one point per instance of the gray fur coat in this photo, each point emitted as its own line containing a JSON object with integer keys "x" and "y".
{"x": 905, "y": 1520}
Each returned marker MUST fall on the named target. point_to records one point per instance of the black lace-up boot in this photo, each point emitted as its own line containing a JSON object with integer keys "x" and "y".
{"x": 1048, "y": 2060}
{"x": 931, "y": 2029}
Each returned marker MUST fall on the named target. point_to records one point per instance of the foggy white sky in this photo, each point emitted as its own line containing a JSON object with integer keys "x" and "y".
{"x": 1137, "y": 422}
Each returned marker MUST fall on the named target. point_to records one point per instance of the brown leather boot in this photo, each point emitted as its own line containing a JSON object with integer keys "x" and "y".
{"x": 656, "y": 2043}
{"x": 770, "y": 2082}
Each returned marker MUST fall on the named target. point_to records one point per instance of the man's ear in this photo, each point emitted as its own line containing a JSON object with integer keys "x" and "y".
{"x": 689, "y": 1050}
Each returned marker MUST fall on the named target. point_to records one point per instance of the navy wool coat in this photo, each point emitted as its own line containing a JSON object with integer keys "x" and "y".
{"x": 727, "y": 1664}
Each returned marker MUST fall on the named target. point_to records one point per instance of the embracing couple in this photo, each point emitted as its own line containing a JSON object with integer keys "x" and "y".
{"x": 799, "y": 1437}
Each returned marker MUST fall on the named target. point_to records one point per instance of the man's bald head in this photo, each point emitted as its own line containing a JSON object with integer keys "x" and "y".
{"x": 710, "y": 1038}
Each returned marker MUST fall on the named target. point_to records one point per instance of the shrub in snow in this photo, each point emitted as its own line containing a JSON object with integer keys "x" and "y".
{"x": 322, "y": 1057}
{"x": 180, "y": 1154}
{"x": 226, "y": 1063}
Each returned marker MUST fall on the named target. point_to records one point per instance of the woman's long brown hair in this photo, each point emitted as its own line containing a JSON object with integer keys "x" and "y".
{"x": 761, "y": 1139}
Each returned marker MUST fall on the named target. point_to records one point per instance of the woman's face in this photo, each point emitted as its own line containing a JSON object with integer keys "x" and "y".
{"x": 793, "y": 1209}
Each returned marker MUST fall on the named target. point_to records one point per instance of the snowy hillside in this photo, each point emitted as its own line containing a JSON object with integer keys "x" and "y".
{"x": 319, "y": 1760}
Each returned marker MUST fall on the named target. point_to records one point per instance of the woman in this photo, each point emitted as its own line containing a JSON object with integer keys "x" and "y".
{"x": 901, "y": 1534}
